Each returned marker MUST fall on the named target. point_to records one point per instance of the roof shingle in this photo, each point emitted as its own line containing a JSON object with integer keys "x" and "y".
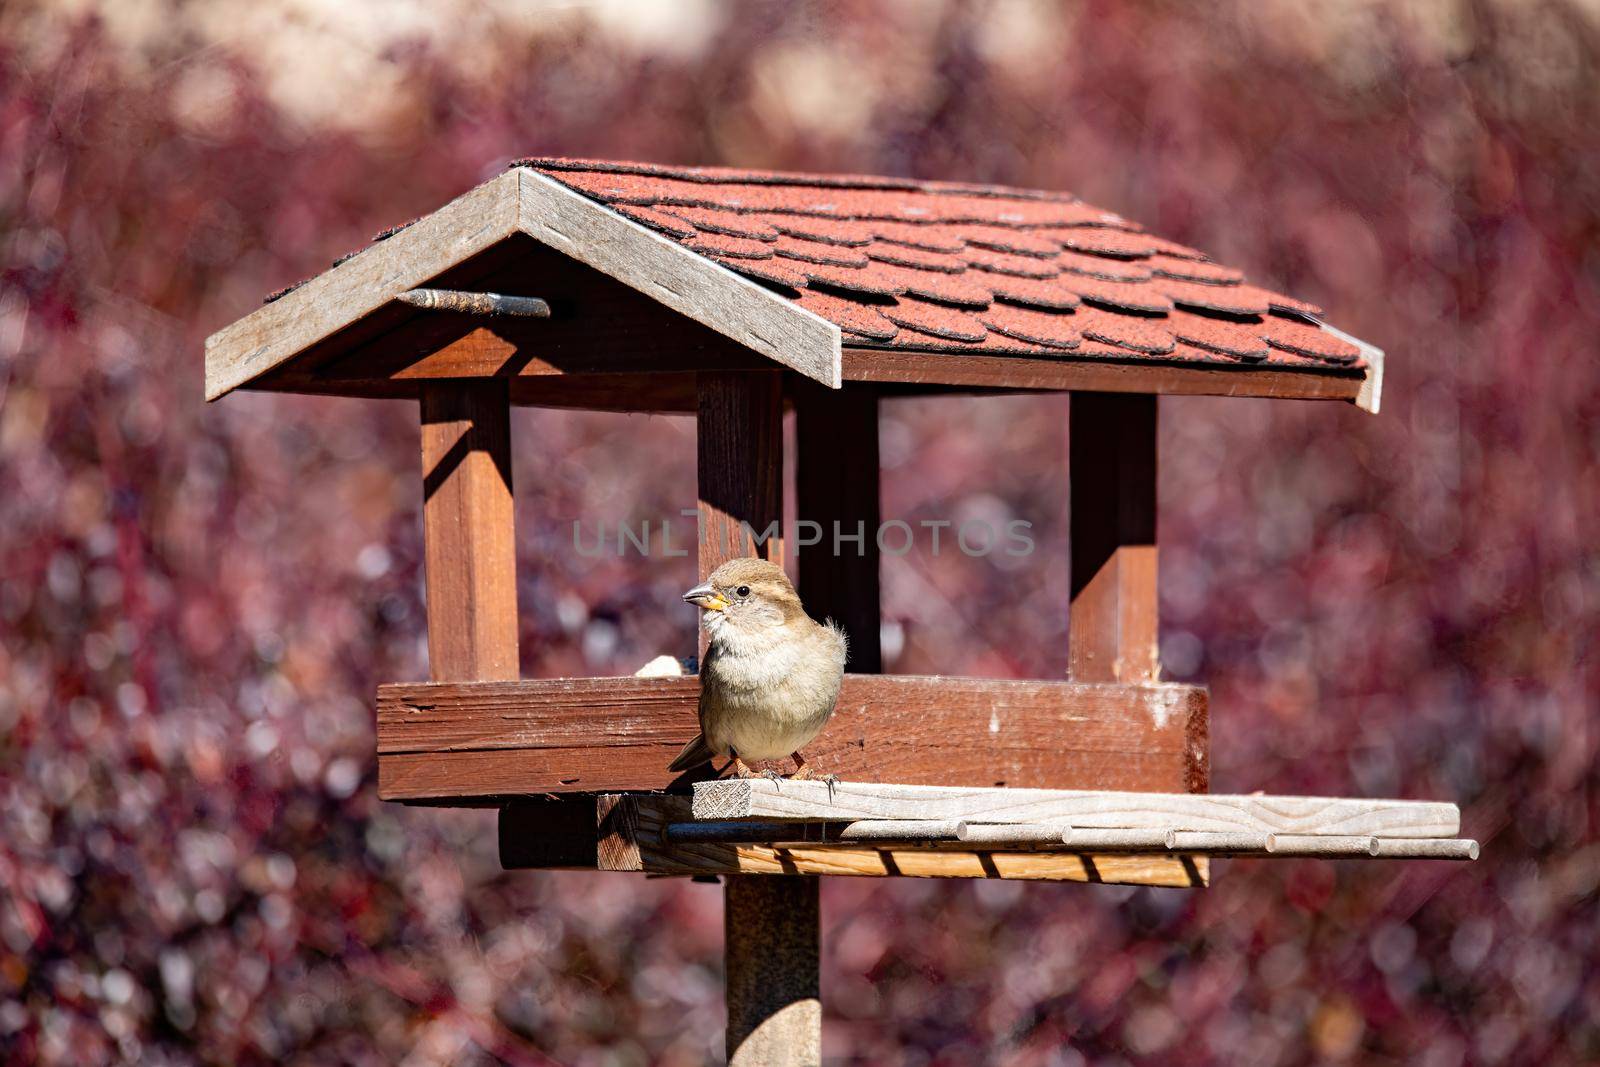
{"x": 938, "y": 266}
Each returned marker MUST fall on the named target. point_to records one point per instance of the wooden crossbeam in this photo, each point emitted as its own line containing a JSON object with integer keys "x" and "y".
{"x": 461, "y": 742}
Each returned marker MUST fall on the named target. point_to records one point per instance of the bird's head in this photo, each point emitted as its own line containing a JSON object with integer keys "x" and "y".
{"x": 748, "y": 595}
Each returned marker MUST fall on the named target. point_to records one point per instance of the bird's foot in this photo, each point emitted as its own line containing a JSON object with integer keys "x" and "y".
{"x": 806, "y": 774}
{"x": 741, "y": 769}
{"x": 773, "y": 776}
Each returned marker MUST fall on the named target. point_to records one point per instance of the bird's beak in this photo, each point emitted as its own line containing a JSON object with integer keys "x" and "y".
{"x": 706, "y": 597}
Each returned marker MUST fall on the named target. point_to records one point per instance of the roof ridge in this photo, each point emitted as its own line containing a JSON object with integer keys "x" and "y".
{"x": 723, "y": 175}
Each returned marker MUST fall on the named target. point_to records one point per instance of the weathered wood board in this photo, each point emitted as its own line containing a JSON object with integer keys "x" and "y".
{"x": 763, "y": 799}
{"x": 440, "y": 742}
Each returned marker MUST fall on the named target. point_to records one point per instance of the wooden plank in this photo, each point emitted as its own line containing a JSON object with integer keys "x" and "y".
{"x": 837, "y": 490}
{"x": 1112, "y": 629}
{"x": 1063, "y": 373}
{"x": 439, "y": 741}
{"x": 469, "y": 539}
{"x": 646, "y": 818}
{"x": 739, "y": 445}
{"x": 275, "y": 333}
{"x": 847, "y": 801}
{"x": 685, "y": 281}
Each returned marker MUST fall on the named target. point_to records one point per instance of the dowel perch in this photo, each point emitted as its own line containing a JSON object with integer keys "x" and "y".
{"x": 735, "y": 832}
{"x": 1315, "y": 845}
{"x": 525, "y": 307}
{"x": 1022, "y": 833}
{"x": 1208, "y": 841}
{"x": 1440, "y": 849}
{"x": 1116, "y": 840}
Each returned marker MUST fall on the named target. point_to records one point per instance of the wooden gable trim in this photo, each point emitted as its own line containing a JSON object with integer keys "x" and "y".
{"x": 523, "y": 201}
{"x": 279, "y": 331}
{"x": 683, "y": 280}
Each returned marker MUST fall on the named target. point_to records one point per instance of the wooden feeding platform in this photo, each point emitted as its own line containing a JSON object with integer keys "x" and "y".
{"x": 739, "y": 296}
{"x": 760, "y": 826}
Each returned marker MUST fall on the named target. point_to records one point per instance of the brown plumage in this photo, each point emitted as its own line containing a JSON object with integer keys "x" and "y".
{"x": 771, "y": 674}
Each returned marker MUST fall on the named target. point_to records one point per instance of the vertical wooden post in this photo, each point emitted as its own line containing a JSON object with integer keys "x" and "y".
{"x": 774, "y": 1011}
{"x": 836, "y": 487}
{"x": 1112, "y": 630}
{"x": 740, "y": 453}
{"x": 774, "y": 1015}
{"x": 469, "y": 545}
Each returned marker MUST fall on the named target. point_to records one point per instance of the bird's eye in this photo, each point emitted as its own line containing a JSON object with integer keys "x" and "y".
{"x": 743, "y": 590}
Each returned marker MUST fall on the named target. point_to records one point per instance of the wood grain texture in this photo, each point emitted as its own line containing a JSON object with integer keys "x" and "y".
{"x": 688, "y": 283}
{"x": 846, "y": 801}
{"x": 597, "y": 325}
{"x": 277, "y": 332}
{"x": 739, "y": 450}
{"x": 438, "y": 742}
{"x": 836, "y": 488}
{"x": 1060, "y": 374}
{"x": 469, "y": 542}
{"x": 646, "y": 817}
{"x": 770, "y": 950}
{"x": 772, "y": 946}
{"x": 524, "y": 202}
{"x": 1112, "y": 629}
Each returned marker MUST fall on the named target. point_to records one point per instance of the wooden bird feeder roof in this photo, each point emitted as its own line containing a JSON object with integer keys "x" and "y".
{"x": 654, "y": 273}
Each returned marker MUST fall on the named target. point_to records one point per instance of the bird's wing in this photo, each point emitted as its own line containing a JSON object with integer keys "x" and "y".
{"x": 694, "y": 754}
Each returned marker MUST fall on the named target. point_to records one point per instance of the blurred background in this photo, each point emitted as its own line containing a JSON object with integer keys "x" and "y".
{"x": 196, "y": 602}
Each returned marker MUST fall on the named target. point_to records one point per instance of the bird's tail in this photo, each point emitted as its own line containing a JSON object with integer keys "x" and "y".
{"x": 694, "y": 753}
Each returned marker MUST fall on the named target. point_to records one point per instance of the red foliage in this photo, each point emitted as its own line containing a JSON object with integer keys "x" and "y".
{"x": 197, "y": 602}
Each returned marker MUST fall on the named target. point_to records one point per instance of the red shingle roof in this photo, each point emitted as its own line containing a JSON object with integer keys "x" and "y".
{"x": 941, "y": 266}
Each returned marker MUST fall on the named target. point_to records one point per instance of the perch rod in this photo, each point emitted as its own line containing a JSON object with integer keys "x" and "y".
{"x": 525, "y": 307}
{"x": 736, "y": 832}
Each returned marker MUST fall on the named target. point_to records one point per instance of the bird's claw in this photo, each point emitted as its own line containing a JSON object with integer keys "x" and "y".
{"x": 830, "y": 780}
{"x": 773, "y": 776}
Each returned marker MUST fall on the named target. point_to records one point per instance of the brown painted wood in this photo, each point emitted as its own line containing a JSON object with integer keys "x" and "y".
{"x": 468, "y": 532}
{"x": 590, "y": 735}
{"x": 836, "y": 488}
{"x": 1056, "y": 374}
{"x": 631, "y": 833}
{"x": 739, "y": 444}
{"x": 1112, "y": 629}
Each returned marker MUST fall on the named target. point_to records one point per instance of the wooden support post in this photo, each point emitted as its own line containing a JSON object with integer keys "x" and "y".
{"x": 774, "y": 1010}
{"x": 740, "y": 449}
{"x": 1111, "y": 631}
{"x": 836, "y": 487}
{"x": 774, "y": 1016}
{"x": 469, "y": 542}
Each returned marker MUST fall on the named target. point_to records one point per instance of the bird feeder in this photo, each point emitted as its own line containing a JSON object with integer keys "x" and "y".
{"x": 733, "y": 296}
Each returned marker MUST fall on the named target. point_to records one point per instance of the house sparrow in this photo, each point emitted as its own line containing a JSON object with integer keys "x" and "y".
{"x": 771, "y": 675}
